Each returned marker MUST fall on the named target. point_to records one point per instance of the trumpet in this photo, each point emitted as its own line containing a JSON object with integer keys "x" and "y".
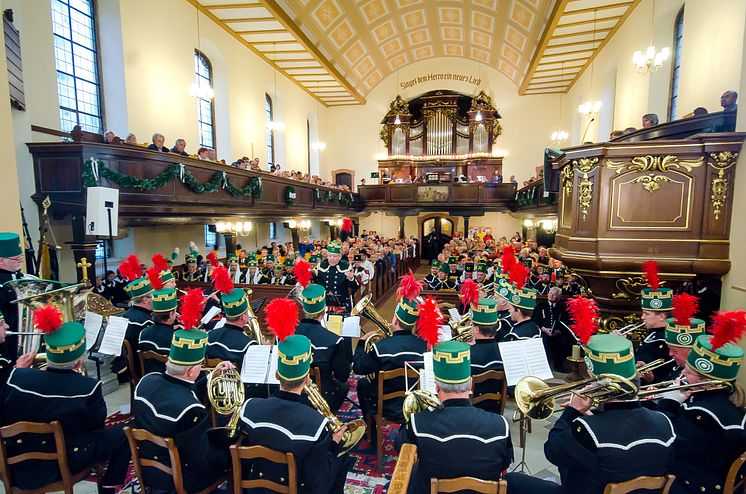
{"x": 418, "y": 400}
{"x": 650, "y": 391}
{"x": 355, "y": 428}
{"x": 365, "y": 308}
{"x": 631, "y": 327}
{"x": 226, "y": 395}
{"x": 655, "y": 364}
{"x": 462, "y": 330}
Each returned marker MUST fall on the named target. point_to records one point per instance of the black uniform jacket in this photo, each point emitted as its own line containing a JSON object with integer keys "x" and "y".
{"x": 139, "y": 319}
{"x": 9, "y": 348}
{"x": 156, "y": 338}
{"x": 504, "y": 325}
{"x": 168, "y": 407}
{"x": 284, "y": 423}
{"x": 622, "y": 442}
{"x": 458, "y": 440}
{"x": 76, "y": 401}
{"x": 389, "y": 354}
{"x": 229, "y": 343}
{"x": 524, "y": 330}
{"x": 654, "y": 347}
{"x": 485, "y": 356}
{"x": 329, "y": 356}
{"x": 334, "y": 280}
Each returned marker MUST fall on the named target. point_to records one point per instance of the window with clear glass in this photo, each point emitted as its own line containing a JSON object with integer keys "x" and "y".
{"x": 678, "y": 34}
{"x": 272, "y": 230}
{"x": 205, "y": 107}
{"x": 211, "y": 237}
{"x": 76, "y": 60}
{"x": 268, "y": 116}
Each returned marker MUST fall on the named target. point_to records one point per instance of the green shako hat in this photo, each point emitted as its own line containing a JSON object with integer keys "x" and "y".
{"x": 167, "y": 276}
{"x": 334, "y": 248}
{"x": 190, "y": 259}
{"x": 523, "y": 298}
{"x": 610, "y": 354}
{"x": 683, "y": 336}
{"x": 232, "y": 259}
{"x": 722, "y": 363}
{"x": 139, "y": 288}
{"x": 235, "y": 303}
{"x": 294, "y": 357}
{"x": 66, "y": 345}
{"x": 406, "y": 312}
{"x": 188, "y": 347}
{"x": 10, "y": 244}
{"x": 481, "y": 267}
{"x": 452, "y": 362}
{"x": 165, "y": 300}
{"x": 314, "y": 299}
{"x": 659, "y": 300}
{"x": 484, "y": 312}
{"x": 270, "y": 257}
{"x": 452, "y": 260}
{"x": 314, "y": 259}
{"x": 288, "y": 262}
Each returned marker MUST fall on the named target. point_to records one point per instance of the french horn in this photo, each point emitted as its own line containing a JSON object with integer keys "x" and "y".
{"x": 418, "y": 400}
{"x": 226, "y": 395}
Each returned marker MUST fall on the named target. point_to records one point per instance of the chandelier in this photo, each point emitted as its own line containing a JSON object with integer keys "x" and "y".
{"x": 240, "y": 228}
{"x": 651, "y": 60}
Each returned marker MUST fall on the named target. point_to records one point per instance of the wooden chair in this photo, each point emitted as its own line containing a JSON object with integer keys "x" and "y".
{"x": 384, "y": 376}
{"x": 315, "y": 376}
{"x": 149, "y": 355}
{"x": 132, "y": 367}
{"x": 54, "y": 429}
{"x": 135, "y": 436}
{"x": 501, "y": 386}
{"x": 658, "y": 484}
{"x": 468, "y": 484}
{"x": 240, "y": 453}
{"x": 403, "y": 469}
{"x": 734, "y": 482}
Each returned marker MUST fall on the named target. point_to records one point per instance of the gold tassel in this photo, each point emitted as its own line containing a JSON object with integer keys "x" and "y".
{"x": 45, "y": 270}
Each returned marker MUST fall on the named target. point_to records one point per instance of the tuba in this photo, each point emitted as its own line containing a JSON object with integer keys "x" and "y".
{"x": 355, "y": 428}
{"x": 226, "y": 395}
{"x": 418, "y": 400}
{"x": 365, "y": 308}
{"x": 462, "y": 330}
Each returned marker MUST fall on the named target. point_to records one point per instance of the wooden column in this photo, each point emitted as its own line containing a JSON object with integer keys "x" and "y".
{"x": 230, "y": 243}
{"x": 466, "y": 226}
{"x": 295, "y": 238}
{"x": 401, "y": 226}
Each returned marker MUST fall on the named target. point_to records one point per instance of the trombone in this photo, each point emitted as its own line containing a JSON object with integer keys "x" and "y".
{"x": 650, "y": 391}
{"x": 462, "y": 330}
{"x": 624, "y": 331}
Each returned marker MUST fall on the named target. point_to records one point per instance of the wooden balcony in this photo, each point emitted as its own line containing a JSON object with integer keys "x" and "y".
{"x": 59, "y": 167}
{"x": 456, "y": 198}
{"x": 532, "y": 198}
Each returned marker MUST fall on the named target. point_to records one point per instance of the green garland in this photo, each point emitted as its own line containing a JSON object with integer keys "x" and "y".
{"x": 253, "y": 186}
{"x": 289, "y": 195}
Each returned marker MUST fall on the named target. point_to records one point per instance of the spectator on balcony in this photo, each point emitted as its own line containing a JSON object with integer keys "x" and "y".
{"x": 158, "y": 143}
{"x": 628, "y": 130}
{"x": 179, "y": 147}
{"x": 728, "y": 100}
{"x": 513, "y": 180}
{"x": 699, "y": 111}
{"x": 109, "y": 137}
{"x": 131, "y": 139}
{"x": 202, "y": 153}
{"x": 497, "y": 178}
{"x": 649, "y": 120}
{"x": 212, "y": 155}
{"x": 615, "y": 134}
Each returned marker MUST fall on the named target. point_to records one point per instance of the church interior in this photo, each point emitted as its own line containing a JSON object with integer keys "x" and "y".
{"x": 370, "y": 246}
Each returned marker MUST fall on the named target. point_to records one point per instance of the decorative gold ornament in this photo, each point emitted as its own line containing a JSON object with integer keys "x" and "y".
{"x": 721, "y": 162}
{"x": 585, "y": 195}
{"x": 653, "y": 163}
{"x": 398, "y": 107}
{"x": 568, "y": 176}
{"x": 585, "y": 165}
{"x": 651, "y": 182}
{"x": 630, "y": 287}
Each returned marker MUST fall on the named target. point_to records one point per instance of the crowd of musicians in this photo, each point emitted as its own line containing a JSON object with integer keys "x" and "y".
{"x": 694, "y": 433}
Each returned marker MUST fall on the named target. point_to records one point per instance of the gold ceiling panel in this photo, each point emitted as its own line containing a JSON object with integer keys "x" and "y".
{"x": 577, "y": 31}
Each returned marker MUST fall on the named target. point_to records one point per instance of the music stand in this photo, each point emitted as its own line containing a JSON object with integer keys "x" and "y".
{"x": 524, "y": 422}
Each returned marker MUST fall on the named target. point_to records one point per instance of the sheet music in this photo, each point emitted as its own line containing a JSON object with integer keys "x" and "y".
{"x": 220, "y": 323}
{"x": 256, "y": 363}
{"x": 523, "y": 358}
{"x": 444, "y": 333}
{"x": 272, "y": 373}
{"x": 351, "y": 327}
{"x": 427, "y": 376}
{"x": 92, "y": 326}
{"x": 334, "y": 323}
{"x": 455, "y": 316}
{"x": 116, "y": 328}
{"x": 214, "y": 311}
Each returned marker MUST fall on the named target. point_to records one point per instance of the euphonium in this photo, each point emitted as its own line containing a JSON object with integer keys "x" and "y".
{"x": 537, "y": 400}
{"x": 226, "y": 395}
{"x": 418, "y": 400}
{"x": 365, "y": 308}
{"x": 462, "y": 330}
{"x": 253, "y": 323}
{"x": 355, "y": 428}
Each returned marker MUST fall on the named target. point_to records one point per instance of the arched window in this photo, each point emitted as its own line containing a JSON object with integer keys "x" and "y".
{"x": 205, "y": 107}
{"x": 268, "y": 117}
{"x": 678, "y": 34}
{"x": 76, "y": 58}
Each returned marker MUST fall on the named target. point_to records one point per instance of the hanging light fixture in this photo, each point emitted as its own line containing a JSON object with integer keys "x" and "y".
{"x": 318, "y": 145}
{"x": 591, "y": 107}
{"x": 651, "y": 60}
{"x": 198, "y": 89}
{"x": 275, "y": 125}
{"x": 559, "y": 135}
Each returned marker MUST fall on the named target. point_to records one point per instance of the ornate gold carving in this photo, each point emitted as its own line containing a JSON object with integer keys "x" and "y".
{"x": 585, "y": 195}
{"x": 651, "y": 182}
{"x": 568, "y": 176}
{"x": 482, "y": 102}
{"x": 721, "y": 162}
{"x": 585, "y": 165}
{"x": 398, "y": 107}
{"x": 653, "y": 163}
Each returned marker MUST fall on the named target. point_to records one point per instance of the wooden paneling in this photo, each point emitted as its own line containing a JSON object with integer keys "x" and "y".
{"x": 440, "y": 197}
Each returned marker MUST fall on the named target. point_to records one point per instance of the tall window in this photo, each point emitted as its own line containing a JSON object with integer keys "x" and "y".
{"x": 205, "y": 108}
{"x": 268, "y": 117}
{"x": 308, "y": 144}
{"x": 211, "y": 237}
{"x": 76, "y": 59}
{"x": 678, "y": 34}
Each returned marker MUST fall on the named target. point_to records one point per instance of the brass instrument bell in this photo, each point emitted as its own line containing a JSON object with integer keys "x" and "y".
{"x": 355, "y": 428}
{"x": 365, "y": 308}
{"x": 226, "y": 395}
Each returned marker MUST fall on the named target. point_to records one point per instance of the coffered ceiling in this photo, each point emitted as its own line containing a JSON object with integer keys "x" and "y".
{"x": 339, "y": 50}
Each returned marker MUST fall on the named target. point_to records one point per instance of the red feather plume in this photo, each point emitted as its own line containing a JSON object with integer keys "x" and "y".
{"x": 154, "y": 275}
{"x": 302, "y": 272}
{"x": 429, "y": 322}
{"x": 222, "y": 280}
{"x": 48, "y": 319}
{"x": 585, "y": 316}
{"x": 727, "y": 327}
{"x": 409, "y": 287}
{"x": 213, "y": 258}
{"x": 192, "y": 307}
{"x": 518, "y": 275}
{"x": 160, "y": 262}
{"x": 130, "y": 268}
{"x": 508, "y": 258}
{"x": 469, "y": 292}
{"x": 347, "y": 225}
{"x": 651, "y": 274}
{"x": 684, "y": 307}
{"x": 282, "y": 317}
